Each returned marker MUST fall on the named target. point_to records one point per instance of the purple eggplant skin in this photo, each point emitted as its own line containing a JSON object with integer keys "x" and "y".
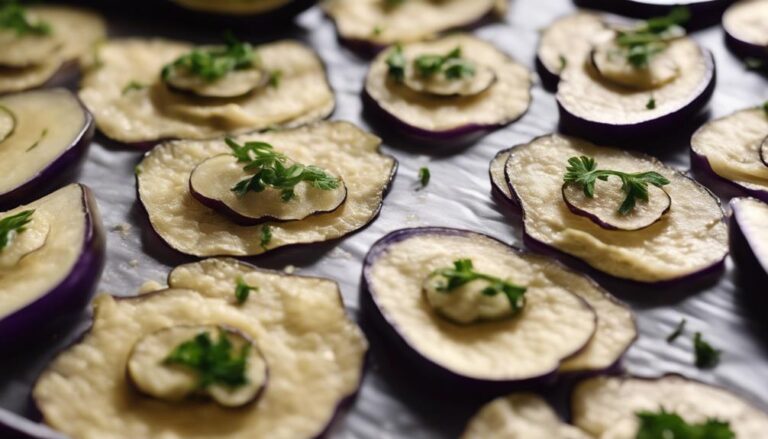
{"x": 499, "y": 194}
{"x": 608, "y": 132}
{"x": 72, "y": 294}
{"x": 746, "y": 258}
{"x": 59, "y": 170}
{"x": 221, "y": 208}
{"x": 549, "y": 79}
{"x": 600, "y": 222}
{"x": 703, "y": 13}
{"x": 423, "y": 365}
{"x": 454, "y": 137}
{"x": 684, "y": 283}
{"x": 744, "y": 49}
{"x": 728, "y": 188}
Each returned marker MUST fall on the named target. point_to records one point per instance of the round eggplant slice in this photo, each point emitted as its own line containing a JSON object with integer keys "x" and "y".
{"x": 50, "y": 265}
{"x": 746, "y": 28}
{"x": 749, "y": 236}
{"x": 236, "y": 7}
{"x": 476, "y": 354}
{"x": 729, "y": 150}
{"x": 440, "y": 85}
{"x": 601, "y": 208}
{"x": 519, "y": 416}
{"x": 597, "y": 107}
{"x": 236, "y": 84}
{"x": 612, "y": 67}
{"x": 367, "y": 26}
{"x": 298, "y": 323}
{"x": 192, "y": 228}
{"x": 157, "y": 367}
{"x": 608, "y": 406}
{"x": 690, "y": 241}
{"x": 439, "y": 118}
{"x": 703, "y": 12}
{"x": 566, "y": 43}
{"x": 211, "y": 183}
{"x": 131, "y": 104}
{"x": 499, "y": 184}
{"x": 49, "y": 134}
{"x": 31, "y": 61}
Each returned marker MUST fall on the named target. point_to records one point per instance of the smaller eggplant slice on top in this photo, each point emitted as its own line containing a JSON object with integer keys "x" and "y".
{"x": 40, "y": 41}
{"x": 625, "y": 214}
{"x": 203, "y": 360}
{"x": 624, "y": 80}
{"x": 463, "y": 303}
{"x": 246, "y": 195}
{"x": 624, "y": 408}
{"x": 734, "y": 150}
{"x": 44, "y": 135}
{"x": 449, "y": 90}
{"x": 142, "y": 91}
{"x": 368, "y": 26}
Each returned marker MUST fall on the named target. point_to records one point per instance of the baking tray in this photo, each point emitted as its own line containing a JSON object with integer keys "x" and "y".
{"x": 393, "y": 403}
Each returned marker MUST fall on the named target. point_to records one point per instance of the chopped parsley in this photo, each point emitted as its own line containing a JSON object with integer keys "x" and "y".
{"x": 13, "y": 225}
{"x": 274, "y": 78}
{"x": 563, "y": 62}
{"x": 641, "y": 44}
{"x": 424, "y": 177}
{"x": 754, "y": 64}
{"x": 677, "y": 332}
{"x": 270, "y": 169}
{"x": 651, "y": 103}
{"x": 215, "y": 63}
{"x": 396, "y": 62}
{"x": 706, "y": 356}
{"x": 393, "y": 3}
{"x": 669, "y": 425}
{"x": 13, "y": 16}
{"x": 266, "y": 236}
{"x": 583, "y": 171}
{"x": 452, "y": 65}
{"x": 133, "y": 86}
{"x": 765, "y": 107}
{"x": 243, "y": 290}
{"x": 463, "y": 272}
{"x": 214, "y": 362}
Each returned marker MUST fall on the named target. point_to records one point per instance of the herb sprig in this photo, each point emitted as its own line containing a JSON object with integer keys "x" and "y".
{"x": 424, "y": 176}
{"x": 663, "y": 424}
{"x": 270, "y": 169}
{"x": 583, "y": 171}
{"x": 463, "y": 272}
{"x": 214, "y": 362}
{"x": 13, "y": 224}
{"x": 706, "y": 356}
{"x": 14, "y": 17}
{"x": 243, "y": 290}
{"x": 679, "y": 329}
{"x": 451, "y": 65}
{"x": 213, "y": 64}
{"x": 646, "y": 41}
{"x": 266, "y": 236}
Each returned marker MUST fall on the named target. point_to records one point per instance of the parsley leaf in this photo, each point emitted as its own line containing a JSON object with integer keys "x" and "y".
{"x": 274, "y": 78}
{"x": 583, "y": 171}
{"x": 452, "y": 65}
{"x": 706, "y": 356}
{"x": 651, "y": 103}
{"x": 133, "y": 86}
{"x": 677, "y": 332}
{"x": 14, "y": 17}
{"x": 765, "y": 107}
{"x": 396, "y": 62}
{"x": 214, "y": 362}
{"x": 563, "y": 62}
{"x": 266, "y": 236}
{"x": 669, "y": 425}
{"x": 271, "y": 170}
{"x": 424, "y": 177}
{"x": 243, "y": 290}
{"x": 463, "y": 272}
{"x": 213, "y": 64}
{"x": 14, "y": 224}
{"x": 648, "y": 40}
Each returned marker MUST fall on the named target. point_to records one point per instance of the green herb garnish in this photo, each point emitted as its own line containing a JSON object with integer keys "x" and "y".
{"x": 452, "y": 65}
{"x": 214, "y": 362}
{"x": 706, "y": 356}
{"x": 583, "y": 172}
{"x": 463, "y": 272}
{"x": 424, "y": 176}
{"x": 213, "y": 64}
{"x": 677, "y": 332}
{"x": 266, "y": 236}
{"x": 563, "y": 62}
{"x": 669, "y": 425}
{"x": 765, "y": 107}
{"x": 643, "y": 43}
{"x": 243, "y": 290}
{"x": 754, "y": 64}
{"x": 13, "y": 225}
{"x": 651, "y": 103}
{"x": 133, "y": 86}
{"x": 14, "y": 17}
{"x": 393, "y": 3}
{"x": 274, "y": 78}
{"x": 396, "y": 62}
{"x": 270, "y": 170}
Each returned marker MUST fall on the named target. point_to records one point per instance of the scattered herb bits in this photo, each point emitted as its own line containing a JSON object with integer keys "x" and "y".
{"x": 705, "y": 356}
{"x": 243, "y": 290}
